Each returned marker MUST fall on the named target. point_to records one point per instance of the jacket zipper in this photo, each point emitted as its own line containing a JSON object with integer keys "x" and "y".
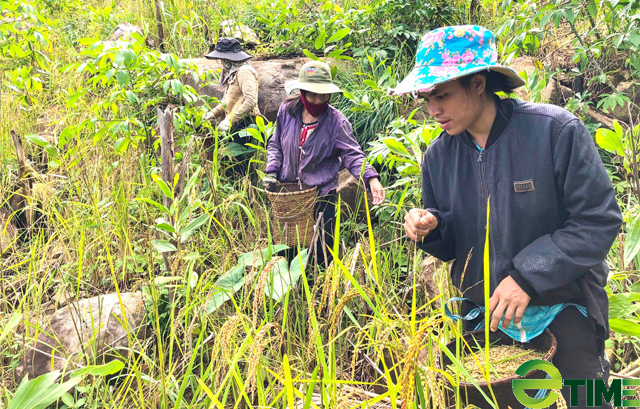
{"x": 485, "y": 197}
{"x": 300, "y": 153}
{"x": 482, "y": 181}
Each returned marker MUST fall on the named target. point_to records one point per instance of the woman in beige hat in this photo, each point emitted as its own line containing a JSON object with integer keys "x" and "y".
{"x": 312, "y": 141}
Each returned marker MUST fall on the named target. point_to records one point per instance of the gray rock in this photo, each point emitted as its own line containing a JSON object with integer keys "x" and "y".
{"x": 83, "y": 333}
{"x": 8, "y": 231}
{"x": 237, "y": 30}
{"x": 272, "y": 74}
{"x": 124, "y": 32}
{"x": 528, "y": 65}
{"x": 427, "y": 278}
{"x": 632, "y": 91}
{"x": 352, "y": 194}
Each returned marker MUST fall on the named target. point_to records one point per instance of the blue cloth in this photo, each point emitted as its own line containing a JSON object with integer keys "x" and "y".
{"x": 535, "y": 320}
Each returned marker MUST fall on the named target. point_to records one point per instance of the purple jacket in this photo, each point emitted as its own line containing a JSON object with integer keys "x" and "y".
{"x": 330, "y": 145}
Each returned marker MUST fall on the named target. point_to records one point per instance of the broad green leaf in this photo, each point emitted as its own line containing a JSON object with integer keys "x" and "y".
{"x": 11, "y": 324}
{"x": 133, "y": 98}
{"x": 122, "y": 144}
{"x": 592, "y": 8}
{"x": 257, "y": 257}
{"x": 282, "y": 278}
{"x": 163, "y": 186}
{"x": 225, "y": 287}
{"x": 569, "y": 15}
{"x": 163, "y": 246}
{"x": 43, "y": 391}
{"x": 37, "y": 140}
{"x": 624, "y": 326}
{"x": 635, "y": 39}
{"x": 339, "y": 35}
{"x": 120, "y": 57}
{"x": 192, "y": 227}
{"x": 371, "y": 84}
{"x": 319, "y": 43}
{"x": 622, "y": 305}
{"x": 618, "y": 129}
{"x": 396, "y": 147}
{"x": 99, "y": 370}
{"x": 40, "y": 392}
{"x": 632, "y": 241}
{"x": 154, "y": 203}
{"x": 166, "y": 227}
{"x": 193, "y": 279}
{"x": 310, "y": 55}
{"x": 609, "y": 140}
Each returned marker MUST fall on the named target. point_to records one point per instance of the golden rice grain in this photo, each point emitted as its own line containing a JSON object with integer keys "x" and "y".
{"x": 258, "y": 295}
{"x": 260, "y": 341}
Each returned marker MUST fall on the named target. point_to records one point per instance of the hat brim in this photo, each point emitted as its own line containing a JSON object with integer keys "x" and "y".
{"x": 291, "y": 86}
{"x": 422, "y": 79}
{"x": 217, "y": 55}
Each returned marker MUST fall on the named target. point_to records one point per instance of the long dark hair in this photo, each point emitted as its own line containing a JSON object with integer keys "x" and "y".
{"x": 496, "y": 82}
{"x": 293, "y": 104}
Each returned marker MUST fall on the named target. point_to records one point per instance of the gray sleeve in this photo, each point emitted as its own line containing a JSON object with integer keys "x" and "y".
{"x": 594, "y": 219}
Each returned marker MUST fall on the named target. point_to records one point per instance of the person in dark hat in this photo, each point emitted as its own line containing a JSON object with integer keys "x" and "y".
{"x": 239, "y": 105}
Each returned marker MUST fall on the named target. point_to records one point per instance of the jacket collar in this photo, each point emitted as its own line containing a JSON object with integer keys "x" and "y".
{"x": 503, "y": 116}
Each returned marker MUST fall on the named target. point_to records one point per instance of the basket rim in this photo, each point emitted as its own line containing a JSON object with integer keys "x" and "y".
{"x": 547, "y": 357}
{"x": 300, "y": 192}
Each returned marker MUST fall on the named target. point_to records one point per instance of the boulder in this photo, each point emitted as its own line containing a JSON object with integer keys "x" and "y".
{"x": 8, "y": 231}
{"x": 352, "y": 194}
{"x": 632, "y": 91}
{"x": 427, "y": 278}
{"x": 237, "y": 30}
{"x": 82, "y": 333}
{"x": 272, "y": 74}
{"x": 528, "y": 65}
{"x": 125, "y": 30}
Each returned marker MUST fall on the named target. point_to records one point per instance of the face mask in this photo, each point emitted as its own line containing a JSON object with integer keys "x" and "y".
{"x": 227, "y": 64}
{"x": 314, "y": 109}
{"x": 535, "y": 320}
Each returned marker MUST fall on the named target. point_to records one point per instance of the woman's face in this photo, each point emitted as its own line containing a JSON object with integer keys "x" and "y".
{"x": 455, "y": 107}
{"x": 227, "y": 64}
{"x": 317, "y": 98}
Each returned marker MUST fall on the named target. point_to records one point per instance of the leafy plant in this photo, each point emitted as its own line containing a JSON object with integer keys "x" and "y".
{"x": 282, "y": 276}
{"x": 43, "y": 391}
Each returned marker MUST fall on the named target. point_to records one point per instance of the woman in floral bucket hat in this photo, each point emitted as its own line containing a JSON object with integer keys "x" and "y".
{"x": 312, "y": 140}
{"x": 553, "y": 213}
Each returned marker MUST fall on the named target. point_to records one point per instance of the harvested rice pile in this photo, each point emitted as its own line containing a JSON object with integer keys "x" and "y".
{"x": 505, "y": 359}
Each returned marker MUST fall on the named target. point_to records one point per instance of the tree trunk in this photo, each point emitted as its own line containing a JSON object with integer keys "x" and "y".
{"x": 165, "y": 124}
{"x": 159, "y": 21}
{"x": 24, "y": 181}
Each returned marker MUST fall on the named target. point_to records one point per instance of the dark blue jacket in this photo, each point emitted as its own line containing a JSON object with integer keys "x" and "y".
{"x": 554, "y": 215}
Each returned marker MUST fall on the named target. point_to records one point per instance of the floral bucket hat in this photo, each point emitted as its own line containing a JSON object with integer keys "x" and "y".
{"x": 447, "y": 53}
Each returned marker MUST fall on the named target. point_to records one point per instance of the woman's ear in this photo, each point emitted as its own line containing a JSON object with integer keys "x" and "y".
{"x": 479, "y": 83}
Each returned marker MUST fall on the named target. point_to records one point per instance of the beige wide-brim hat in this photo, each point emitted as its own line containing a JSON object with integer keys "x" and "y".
{"x": 315, "y": 76}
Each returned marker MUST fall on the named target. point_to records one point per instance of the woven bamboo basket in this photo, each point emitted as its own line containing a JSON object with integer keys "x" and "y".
{"x": 293, "y": 213}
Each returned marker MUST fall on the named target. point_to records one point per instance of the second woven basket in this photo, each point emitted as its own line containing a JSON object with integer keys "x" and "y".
{"x": 292, "y": 213}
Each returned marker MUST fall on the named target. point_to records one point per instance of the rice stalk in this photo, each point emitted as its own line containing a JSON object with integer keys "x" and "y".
{"x": 407, "y": 378}
{"x": 333, "y": 323}
{"x": 258, "y": 295}
{"x": 260, "y": 341}
{"x": 435, "y": 389}
{"x": 222, "y": 347}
